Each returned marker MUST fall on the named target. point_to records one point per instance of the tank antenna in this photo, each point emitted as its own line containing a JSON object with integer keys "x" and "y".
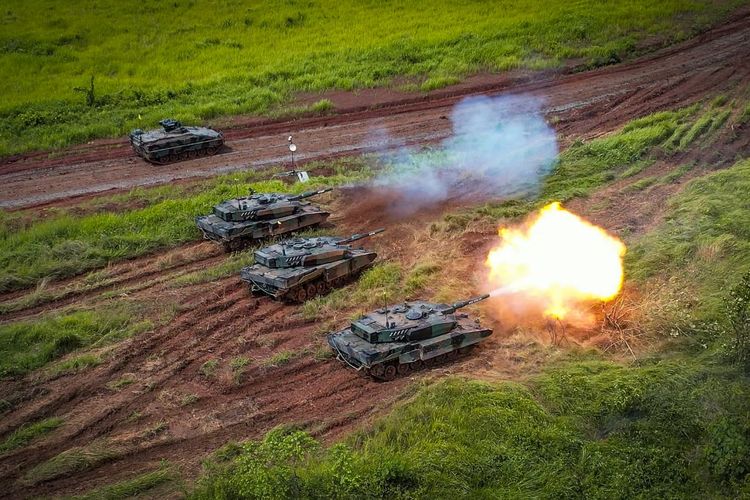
{"x": 385, "y": 307}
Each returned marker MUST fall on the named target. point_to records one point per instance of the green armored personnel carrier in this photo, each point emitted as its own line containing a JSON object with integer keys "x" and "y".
{"x": 301, "y": 268}
{"x": 175, "y": 143}
{"x": 234, "y": 223}
{"x": 396, "y": 339}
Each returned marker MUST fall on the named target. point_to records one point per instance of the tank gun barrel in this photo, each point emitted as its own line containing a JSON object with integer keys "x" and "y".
{"x": 356, "y": 237}
{"x": 464, "y": 303}
{"x": 309, "y": 194}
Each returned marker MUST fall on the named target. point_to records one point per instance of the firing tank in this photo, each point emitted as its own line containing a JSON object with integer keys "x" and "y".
{"x": 174, "y": 142}
{"x": 397, "y": 339}
{"x": 301, "y": 268}
{"x": 239, "y": 221}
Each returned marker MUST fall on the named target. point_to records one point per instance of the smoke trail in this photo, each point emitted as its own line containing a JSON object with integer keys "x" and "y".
{"x": 500, "y": 146}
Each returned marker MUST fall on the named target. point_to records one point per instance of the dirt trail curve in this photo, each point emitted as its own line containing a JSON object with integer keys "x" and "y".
{"x": 582, "y": 102}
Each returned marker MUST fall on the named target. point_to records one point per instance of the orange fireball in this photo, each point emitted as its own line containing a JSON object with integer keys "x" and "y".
{"x": 559, "y": 259}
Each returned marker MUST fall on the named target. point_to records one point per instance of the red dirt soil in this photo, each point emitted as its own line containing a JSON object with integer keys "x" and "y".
{"x": 158, "y": 416}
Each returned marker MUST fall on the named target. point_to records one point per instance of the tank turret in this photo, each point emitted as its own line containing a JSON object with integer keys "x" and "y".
{"x": 175, "y": 142}
{"x": 398, "y": 338}
{"x": 238, "y": 221}
{"x": 301, "y": 268}
{"x": 262, "y": 206}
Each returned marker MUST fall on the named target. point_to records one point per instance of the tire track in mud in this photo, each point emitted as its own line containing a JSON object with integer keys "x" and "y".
{"x": 136, "y": 271}
{"x": 275, "y": 391}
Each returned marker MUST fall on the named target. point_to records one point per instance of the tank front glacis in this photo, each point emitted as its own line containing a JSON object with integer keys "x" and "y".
{"x": 240, "y": 220}
{"x": 398, "y": 338}
{"x": 300, "y": 268}
{"x": 175, "y": 142}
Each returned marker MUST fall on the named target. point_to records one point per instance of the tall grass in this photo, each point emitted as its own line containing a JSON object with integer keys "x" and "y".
{"x": 705, "y": 239}
{"x": 28, "y": 433}
{"x": 198, "y": 60}
{"x": 584, "y": 429}
{"x": 27, "y": 345}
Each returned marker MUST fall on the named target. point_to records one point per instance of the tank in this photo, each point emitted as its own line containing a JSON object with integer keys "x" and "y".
{"x": 301, "y": 268}
{"x": 397, "y": 339}
{"x": 174, "y": 142}
{"x": 239, "y": 221}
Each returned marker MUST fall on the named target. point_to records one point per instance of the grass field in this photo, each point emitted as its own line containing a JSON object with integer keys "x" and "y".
{"x": 198, "y": 60}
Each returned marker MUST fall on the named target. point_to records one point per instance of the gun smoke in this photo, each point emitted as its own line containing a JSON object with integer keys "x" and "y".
{"x": 500, "y": 147}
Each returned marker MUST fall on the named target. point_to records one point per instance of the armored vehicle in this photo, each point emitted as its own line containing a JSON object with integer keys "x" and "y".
{"x": 301, "y": 268}
{"x": 175, "y": 142}
{"x": 239, "y": 221}
{"x": 396, "y": 339}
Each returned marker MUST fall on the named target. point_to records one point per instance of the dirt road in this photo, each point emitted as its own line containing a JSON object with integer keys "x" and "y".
{"x": 580, "y": 103}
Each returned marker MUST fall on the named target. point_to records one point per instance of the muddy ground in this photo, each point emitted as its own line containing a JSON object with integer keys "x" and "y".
{"x": 174, "y": 409}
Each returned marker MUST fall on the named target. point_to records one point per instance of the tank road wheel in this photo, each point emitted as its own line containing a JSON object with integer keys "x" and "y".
{"x": 312, "y": 291}
{"x": 173, "y": 158}
{"x": 390, "y": 372}
{"x": 417, "y": 365}
{"x": 403, "y": 368}
{"x": 192, "y": 154}
{"x": 322, "y": 288}
{"x": 300, "y": 295}
{"x": 211, "y": 151}
{"x": 184, "y": 156}
{"x": 452, "y": 354}
{"x": 377, "y": 371}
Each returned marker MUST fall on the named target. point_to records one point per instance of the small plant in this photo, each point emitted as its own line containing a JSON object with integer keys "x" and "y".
{"x": 155, "y": 430}
{"x": 208, "y": 369}
{"x": 238, "y": 365}
{"x": 189, "y": 399}
{"x": 88, "y": 92}
{"x": 323, "y": 353}
{"x": 121, "y": 383}
{"x": 279, "y": 359}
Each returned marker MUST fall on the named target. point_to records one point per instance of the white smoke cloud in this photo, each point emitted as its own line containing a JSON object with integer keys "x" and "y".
{"x": 500, "y": 146}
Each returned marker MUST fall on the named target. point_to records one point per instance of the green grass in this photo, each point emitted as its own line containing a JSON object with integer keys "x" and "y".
{"x": 74, "y": 365}
{"x": 705, "y": 240}
{"x": 280, "y": 358}
{"x": 27, "y": 345}
{"x": 121, "y": 383}
{"x": 71, "y": 461}
{"x": 676, "y": 174}
{"x": 199, "y": 60}
{"x": 642, "y": 184}
{"x": 134, "y": 487}
{"x": 208, "y": 369}
{"x": 68, "y": 245}
{"x": 585, "y": 429}
{"x": 28, "y": 433}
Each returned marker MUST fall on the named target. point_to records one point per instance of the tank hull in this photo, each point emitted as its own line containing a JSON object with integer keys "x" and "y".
{"x": 238, "y": 233}
{"x": 165, "y": 147}
{"x": 315, "y": 280}
{"x": 372, "y": 358}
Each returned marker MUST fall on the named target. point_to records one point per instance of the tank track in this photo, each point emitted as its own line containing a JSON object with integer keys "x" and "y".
{"x": 386, "y": 372}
